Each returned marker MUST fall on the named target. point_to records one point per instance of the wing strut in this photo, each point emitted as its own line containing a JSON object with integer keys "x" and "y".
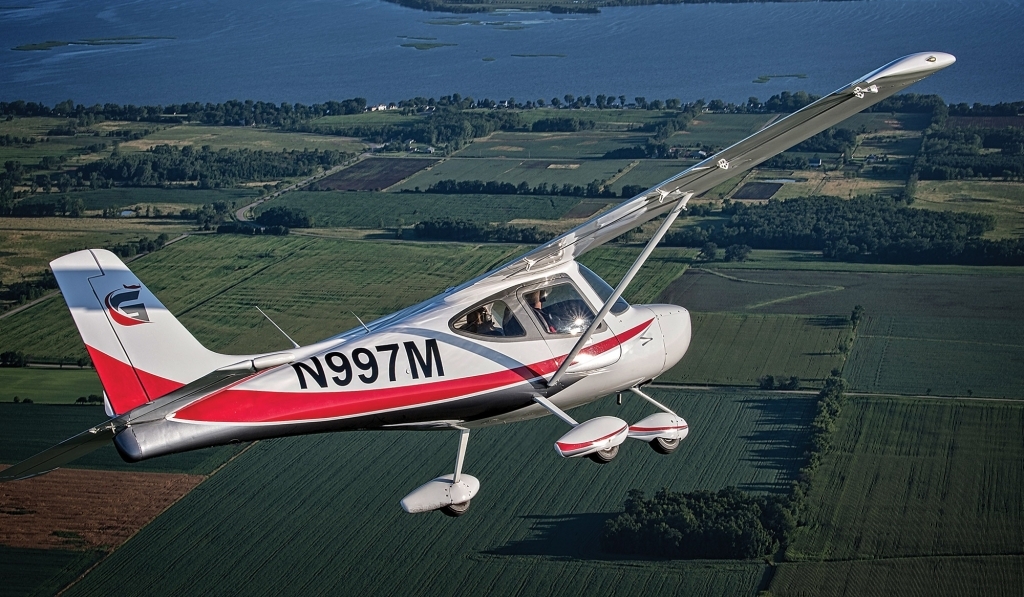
{"x": 671, "y": 217}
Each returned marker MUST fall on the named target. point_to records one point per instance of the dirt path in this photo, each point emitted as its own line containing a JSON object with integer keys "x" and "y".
{"x": 242, "y": 215}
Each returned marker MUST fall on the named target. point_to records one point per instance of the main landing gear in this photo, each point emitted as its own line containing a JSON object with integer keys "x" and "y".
{"x": 450, "y": 494}
{"x": 599, "y": 438}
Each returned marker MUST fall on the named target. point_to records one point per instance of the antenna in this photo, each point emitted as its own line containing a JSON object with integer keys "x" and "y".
{"x": 294, "y": 343}
{"x": 360, "y": 321}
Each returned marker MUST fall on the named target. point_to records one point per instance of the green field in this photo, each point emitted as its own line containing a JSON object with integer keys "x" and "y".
{"x": 720, "y": 130}
{"x": 239, "y": 137}
{"x": 919, "y": 492}
{"x": 27, "y": 429}
{"x": 650, "y": 172}
{"x": 514, "y": 170}
{"x": 359, "y": 209}
{"x": 41, "y": 572}
{"x": 924, "y": 333}
{"x": 939, "y": 576}
{"x": 737, "y": 349}
{"x": 48, "y": 386}
{"x": 320, "y": 515}
{"x": 149, "y": 196}
{"x": 1002, "y": 200}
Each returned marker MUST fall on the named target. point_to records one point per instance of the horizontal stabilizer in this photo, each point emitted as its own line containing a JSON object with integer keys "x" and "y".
{"x": 63, "y": 453}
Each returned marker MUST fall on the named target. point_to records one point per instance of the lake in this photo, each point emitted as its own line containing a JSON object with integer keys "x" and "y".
{"x": 166, "y": 51}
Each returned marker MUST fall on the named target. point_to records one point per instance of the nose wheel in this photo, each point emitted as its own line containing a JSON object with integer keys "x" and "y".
{"x": 450, "y": 494}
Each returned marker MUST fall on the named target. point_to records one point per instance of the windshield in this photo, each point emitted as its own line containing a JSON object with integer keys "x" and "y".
{"x": 602, "y": 289}
{"x": 560, "y": 309}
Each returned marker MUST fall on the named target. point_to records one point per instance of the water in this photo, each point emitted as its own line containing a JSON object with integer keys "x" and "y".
{"x": 314, "y": 50}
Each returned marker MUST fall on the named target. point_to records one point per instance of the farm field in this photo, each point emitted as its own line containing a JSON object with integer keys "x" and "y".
{"x": 85, "y": 509}
{"x": 737, "y": 349}
{"x": 1002, "y": 200}
{"x": 914, "y": 486}
{"x": 720, "y": 130}
{"x": 514, "y": 170}
{"x": 382, "y": 210}
{"x": 41, "y": 572}
{"x": 162, "y": 198}
{"x": 950, "y": 334}
{"x": 48, "y": 386}
{"x": 27, "y": 429}
{"x": 613, "y": 119}
{"x": 648, "y": 173}
{"x": 241, "y": 137}
{"x": 929, "y": 576}
{"x": 591, "y": 144}
{"x": 374, "y": 174}
{"x": 330, "y": 511}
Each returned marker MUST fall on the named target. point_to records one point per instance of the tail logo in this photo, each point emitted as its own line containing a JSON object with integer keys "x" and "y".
{"x": 123, "y": 314}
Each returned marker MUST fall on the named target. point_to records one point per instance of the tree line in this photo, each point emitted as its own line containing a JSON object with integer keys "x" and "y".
{"x": 206, "y": 167}
{"x": 452, "y": 229}
{"x": 730, "y": 523}
{"x": 956, "y": 152}
{"x": 873, "y": 229}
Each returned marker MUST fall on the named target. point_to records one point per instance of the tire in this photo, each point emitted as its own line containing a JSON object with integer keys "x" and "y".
{"x": 455, "y": 510}
{"x": 664, "y": 446}
{"x": 604, "y": 456}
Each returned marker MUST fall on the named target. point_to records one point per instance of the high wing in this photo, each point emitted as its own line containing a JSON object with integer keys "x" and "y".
{"x": 748, "y": 153}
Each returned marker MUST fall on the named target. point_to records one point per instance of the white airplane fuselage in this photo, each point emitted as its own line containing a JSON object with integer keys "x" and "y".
{"x": 422, "y": 372}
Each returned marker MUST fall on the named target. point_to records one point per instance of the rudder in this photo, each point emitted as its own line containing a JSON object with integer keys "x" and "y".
{"x": 139, "y": 349}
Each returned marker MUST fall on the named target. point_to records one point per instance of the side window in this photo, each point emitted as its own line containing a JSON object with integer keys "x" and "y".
{"x": 493, "y": 319}
{"x": 560, "y": 309}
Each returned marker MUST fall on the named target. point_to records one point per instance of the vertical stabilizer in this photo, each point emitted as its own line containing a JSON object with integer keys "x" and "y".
{"x": 140, "y": 350}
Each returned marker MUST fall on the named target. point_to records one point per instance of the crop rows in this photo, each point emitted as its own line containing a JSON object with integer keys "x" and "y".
{"x": 517, "y": 169}
{"x": 383, "y": 210}
{"x": 919, "y": 477}
{"x": 960, "y": 576}
{"x": 319, "y": 515}
{"x": 737, "y": 349}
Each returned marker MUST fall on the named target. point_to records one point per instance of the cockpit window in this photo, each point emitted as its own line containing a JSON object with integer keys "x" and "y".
{"x": 493, "y": 319}
{"x": 602, "y": 289}
{"x": 560, "y": 309}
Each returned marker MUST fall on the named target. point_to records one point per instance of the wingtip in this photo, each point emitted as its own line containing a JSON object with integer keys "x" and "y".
{"x": 923, "y": 63}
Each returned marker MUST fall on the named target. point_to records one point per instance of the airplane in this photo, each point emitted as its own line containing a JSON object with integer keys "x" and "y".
{"x": 538, "y": 335}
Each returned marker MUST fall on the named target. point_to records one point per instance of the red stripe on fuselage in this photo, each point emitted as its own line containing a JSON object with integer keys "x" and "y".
{"x": 234, "y": 405}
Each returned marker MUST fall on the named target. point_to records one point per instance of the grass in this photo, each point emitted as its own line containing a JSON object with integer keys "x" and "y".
{"x": 516, "y": 170}
{"x": 382, "y": 210}
{"x": 26, "y": 253}
{"x": 162, "y": 198}
{"x": 734, "y": 349}
{"x": 239, "y": 137}
{"x": 320, "y": 514}
{"x": 1002, "y": 200}
{"x": 27, "y": 429}
{"x": 48, "y": 386}
{"x": 41, "y": 571}
{"x": 912, "y": 477}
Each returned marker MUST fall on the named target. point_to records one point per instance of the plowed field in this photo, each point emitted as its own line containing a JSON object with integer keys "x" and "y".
{"x": 84, "y": 508}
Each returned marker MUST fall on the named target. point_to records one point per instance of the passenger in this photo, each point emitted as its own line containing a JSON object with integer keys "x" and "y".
{"x": 536, "y": 300}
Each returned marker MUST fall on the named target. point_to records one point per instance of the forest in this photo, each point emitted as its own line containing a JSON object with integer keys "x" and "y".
{"x": 208, "y": 168}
